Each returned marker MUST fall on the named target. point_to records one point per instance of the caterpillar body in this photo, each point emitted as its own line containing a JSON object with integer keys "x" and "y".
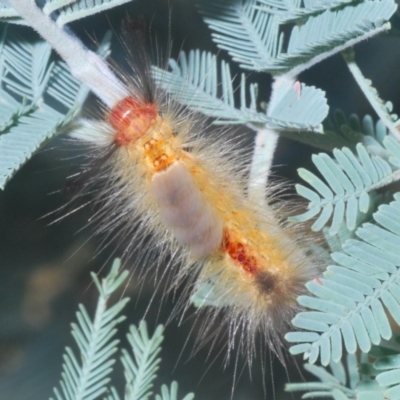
{"x": 162, "y": 174}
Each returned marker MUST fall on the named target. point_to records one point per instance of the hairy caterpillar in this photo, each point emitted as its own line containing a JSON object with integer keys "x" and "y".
{"x": 161, "y": 174}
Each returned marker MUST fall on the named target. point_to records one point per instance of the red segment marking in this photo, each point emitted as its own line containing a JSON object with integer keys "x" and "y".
{"x": 238, "y": 252}
{"x": 131, "y": 119}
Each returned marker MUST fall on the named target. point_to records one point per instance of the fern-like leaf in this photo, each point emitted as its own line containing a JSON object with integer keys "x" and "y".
{"x": 374, "y": 377}
{"x": 87, "y": 380}
{"x": 24, "y": 139}
{"x": 10, "y": 111}
{"x": 250, "y": 36}
{"x": 386, "y": 367}
{"x": 112, "y": 394}
{"x": 331, "y": 384}
{"x": 194, "y": 81}
{"x": 73, "y": 10}
{"x": 26, "y": 124}
{"x": 327, "y": 142}
{"x": 348, "y": 132}
{"x": 254, "y": 39}
{"x": 28, "y": 80}
{"x": 172, "y": 393}
{"x": 64, "y": 88}
{"x": 336, "y": 135}
{"x": 301, "y": 12}
{"x": 27, "y": 67}
{"x": 302, "y": 109}
{"x": 140, "y": 372}
{"x": 345, "y": 193}
{"x": 349, "y": 302}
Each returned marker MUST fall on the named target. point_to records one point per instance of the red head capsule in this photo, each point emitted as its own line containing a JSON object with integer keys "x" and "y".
{"x": 131, "y": 119}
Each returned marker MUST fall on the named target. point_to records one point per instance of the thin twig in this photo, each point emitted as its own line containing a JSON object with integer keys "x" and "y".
{"x": 370, "y": 93}
{"x": 265, "y": 144}
{"x": 84, "y": 64}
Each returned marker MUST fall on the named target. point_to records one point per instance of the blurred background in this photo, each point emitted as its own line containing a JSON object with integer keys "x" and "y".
{"x": 44, "y": 266}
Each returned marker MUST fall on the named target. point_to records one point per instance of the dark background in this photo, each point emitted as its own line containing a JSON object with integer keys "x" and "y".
{"x": 44, "y": 267}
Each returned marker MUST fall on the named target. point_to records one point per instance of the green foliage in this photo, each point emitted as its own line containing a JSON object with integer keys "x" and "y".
{"x": 30, "y": 84}
{"x": 361, "y": 378}
{"x": 349, "y": 301}
{"x": 302, "y": 11}
{"x": 172, "y": 393}
{"x": 334, "y": 384}
{"x": 349, "y": 177}
{"x": 194, "y": 81}
{"x": 254, "y": 38}
{"x": 386, "y": 358}
{"x": 140, "y": 373}
{"x": 66, "y": 11}
{"x": 89, "y": 379}
{"x": 383, "y": 109}
{"x": 25, "y": 72}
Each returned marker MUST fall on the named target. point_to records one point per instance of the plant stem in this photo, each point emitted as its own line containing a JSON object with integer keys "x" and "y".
{"x": 265, "y": 144}
{"x": 85, "y": 65}
{"x": 370, "y": 93}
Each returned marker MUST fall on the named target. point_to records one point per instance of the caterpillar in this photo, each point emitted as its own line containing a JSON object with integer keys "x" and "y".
{"x": 161, "y": 174}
